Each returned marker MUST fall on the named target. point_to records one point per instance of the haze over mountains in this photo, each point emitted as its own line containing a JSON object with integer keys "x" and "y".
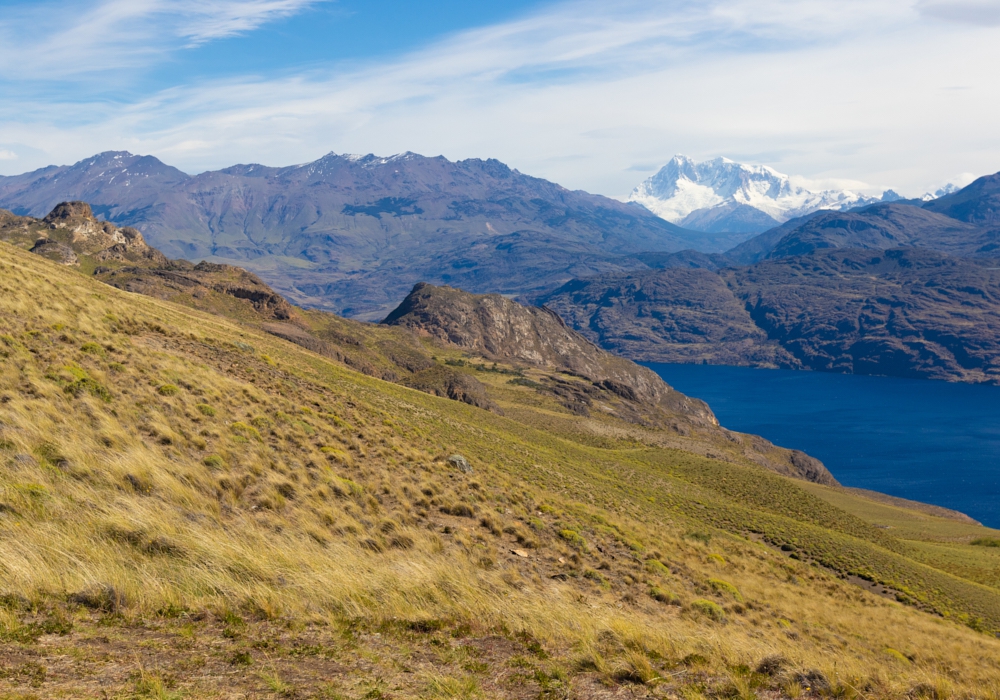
{"x": 352, "y": 234}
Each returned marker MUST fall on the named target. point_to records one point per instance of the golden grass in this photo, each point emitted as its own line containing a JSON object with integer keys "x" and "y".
{"x": 293, "y": 489}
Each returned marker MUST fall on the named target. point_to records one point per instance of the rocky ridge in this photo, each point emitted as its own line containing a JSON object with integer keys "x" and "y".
{"x": 902, "y": 312}
{"x": 536, "y": 349}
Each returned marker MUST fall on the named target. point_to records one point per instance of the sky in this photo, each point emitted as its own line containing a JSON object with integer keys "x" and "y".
{"x": 864, "y": 94}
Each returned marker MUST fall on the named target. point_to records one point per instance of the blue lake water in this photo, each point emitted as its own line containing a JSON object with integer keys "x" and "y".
{"x": 929, "y": 441}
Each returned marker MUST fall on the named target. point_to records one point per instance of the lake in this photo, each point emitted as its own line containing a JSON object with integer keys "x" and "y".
{"x": 929, "y": 441}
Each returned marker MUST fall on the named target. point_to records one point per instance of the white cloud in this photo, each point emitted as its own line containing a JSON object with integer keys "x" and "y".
{"x": 7, "y": 155}
{"x": 223, "y": 18}
{"x": 116, "y": 35}
{"x": 580, "y": 93}
{"x": 975, "y": 12}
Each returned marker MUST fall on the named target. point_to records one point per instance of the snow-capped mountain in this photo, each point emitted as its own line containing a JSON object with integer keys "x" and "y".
{"x": 722, "y": 195}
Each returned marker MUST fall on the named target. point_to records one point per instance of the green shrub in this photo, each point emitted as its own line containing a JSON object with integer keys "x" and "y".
{"x": 725, "y": 588}
{"x": 897, "y": 655}
{"x": 986, "y": 542}
{"x": 206, "y": 410}
{"x": 92, "y": 349}
{"x": 574, "y": 538}
{"x": 261, "y": 422}
{"x": 663, "y": 596}
{"x": 86, "y": 385}
{"x": 167, "y": 390}
{"x": 213, "y": 462}
{"x": 655, "y": 566}
{"x": 245, "y": 431}
{"x": 709, "y": 609}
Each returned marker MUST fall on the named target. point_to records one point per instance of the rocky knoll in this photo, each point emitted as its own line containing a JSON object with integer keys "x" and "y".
{"x": 495, "y": 328}
{"x": 352, "y": 234}
{"x": 903, "y": 312}
{"x": 71, "y": 232}
{"x": 500, "y": 329}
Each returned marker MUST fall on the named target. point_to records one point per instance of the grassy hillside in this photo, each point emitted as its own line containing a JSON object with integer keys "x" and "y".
{"x": 191, "y": 507}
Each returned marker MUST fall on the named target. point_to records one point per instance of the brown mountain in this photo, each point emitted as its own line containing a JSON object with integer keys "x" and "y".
{"x": 902, "y": 312}
{"x": 965, "y": 223}
{"x": 979, "y": 203}
{"x": 354, "y": 234}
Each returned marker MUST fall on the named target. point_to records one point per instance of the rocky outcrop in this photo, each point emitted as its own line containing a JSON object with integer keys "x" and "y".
{"x": 55, "y": 251}
{"x": 71, "y": 230}
{"x": 497, "y": 328}
{"x": 458, "y": 386}
{"x": 577, "y": 374}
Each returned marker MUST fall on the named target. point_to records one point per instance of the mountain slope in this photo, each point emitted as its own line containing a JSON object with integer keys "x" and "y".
{"x": 978, "y": 203}
{"x": 615, "y": 389}
{"x": 901, "y": 312}
{"x": 353, "y": 234}
{"x": 191, "y": 505}
{"x": 960, "y": 223}
{"x": 885, "y": 226}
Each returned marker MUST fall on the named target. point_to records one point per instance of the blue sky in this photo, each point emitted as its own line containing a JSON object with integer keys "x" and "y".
{"x": 351, "y": 30}
{"x": 595, "y": 95}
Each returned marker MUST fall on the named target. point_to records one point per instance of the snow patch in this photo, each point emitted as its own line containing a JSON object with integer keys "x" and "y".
{"x": 683, "y": 186}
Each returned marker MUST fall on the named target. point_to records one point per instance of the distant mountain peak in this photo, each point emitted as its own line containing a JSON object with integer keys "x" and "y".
{"x": 950, "y": 188}
{"x": 683, "y": 189}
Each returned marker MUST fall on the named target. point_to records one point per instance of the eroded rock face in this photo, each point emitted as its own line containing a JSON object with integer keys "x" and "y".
{"x": 500, "y": 329}
{"x": 58, "y": 252}
{"x": 71, "y": 230}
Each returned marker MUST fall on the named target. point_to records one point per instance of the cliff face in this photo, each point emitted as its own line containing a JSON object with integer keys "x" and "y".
{"x": 500, "y": 329}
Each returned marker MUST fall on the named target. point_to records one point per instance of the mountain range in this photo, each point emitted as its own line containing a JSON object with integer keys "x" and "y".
{"x": 891, "y": 288}
{"x": 723, "y": 195}
{"x": 352, "y": 234}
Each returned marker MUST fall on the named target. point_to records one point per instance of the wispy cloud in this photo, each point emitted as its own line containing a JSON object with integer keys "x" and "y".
{"x": 7, "y": 155}
{"x": 848, "y": 90}
{"x": 975, "y": 12}
{"x": 112, "y": 35}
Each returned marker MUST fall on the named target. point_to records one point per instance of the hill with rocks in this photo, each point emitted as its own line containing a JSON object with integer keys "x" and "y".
{"x": 352, "y": 234}
{"x": 556, "y": 362}
{"x": 207, "y": 493}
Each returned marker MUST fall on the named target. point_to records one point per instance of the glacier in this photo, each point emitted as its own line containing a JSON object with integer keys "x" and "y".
{"x": 683, "y": 192}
